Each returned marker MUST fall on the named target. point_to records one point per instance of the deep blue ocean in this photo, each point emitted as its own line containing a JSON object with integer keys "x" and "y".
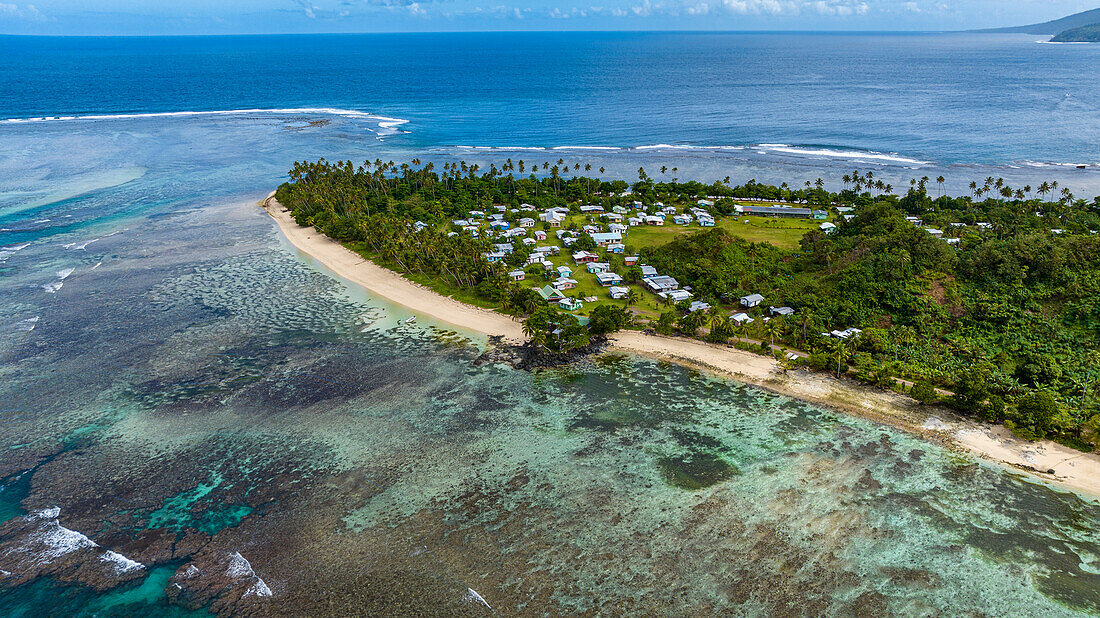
{"x": 182, "y": 390}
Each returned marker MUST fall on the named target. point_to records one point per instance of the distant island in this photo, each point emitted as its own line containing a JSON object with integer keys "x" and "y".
{"x": 1060, "y": 27}
{"x": 1084, "y": 34}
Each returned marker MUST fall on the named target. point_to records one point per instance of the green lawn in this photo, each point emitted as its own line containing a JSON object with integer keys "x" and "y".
{"x": 783, "y": 233}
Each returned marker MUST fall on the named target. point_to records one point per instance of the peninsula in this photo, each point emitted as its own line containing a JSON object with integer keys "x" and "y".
{"x": 950, "y": 305}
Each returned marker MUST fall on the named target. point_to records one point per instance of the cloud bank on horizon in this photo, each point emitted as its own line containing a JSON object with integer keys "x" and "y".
{"x": 109, "y": 17}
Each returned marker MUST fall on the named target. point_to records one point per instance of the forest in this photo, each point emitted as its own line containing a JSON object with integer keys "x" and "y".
{"x": 1006, "y": 319}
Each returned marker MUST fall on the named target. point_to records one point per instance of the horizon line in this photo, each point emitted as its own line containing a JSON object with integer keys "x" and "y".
{"x": 502, "y": 31}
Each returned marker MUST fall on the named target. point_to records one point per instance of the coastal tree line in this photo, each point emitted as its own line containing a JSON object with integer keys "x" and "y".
{"x": 1008, "y": 320}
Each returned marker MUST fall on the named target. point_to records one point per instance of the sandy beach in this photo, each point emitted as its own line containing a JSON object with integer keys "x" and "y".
{"x": 1045, "y": 460}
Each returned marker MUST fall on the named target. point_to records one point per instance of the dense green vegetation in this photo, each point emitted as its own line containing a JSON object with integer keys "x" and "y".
{"x": 1084, "y": 34}
{"x": 1007, "y": 319}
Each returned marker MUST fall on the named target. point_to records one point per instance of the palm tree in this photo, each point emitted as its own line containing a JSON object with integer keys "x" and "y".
{"x": 841, "y": 352}
{"x": 773, "y": 328}
{"x": 632, "y": 297}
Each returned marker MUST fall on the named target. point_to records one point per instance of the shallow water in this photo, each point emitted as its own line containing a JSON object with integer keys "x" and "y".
{"x": 195, "y": 386}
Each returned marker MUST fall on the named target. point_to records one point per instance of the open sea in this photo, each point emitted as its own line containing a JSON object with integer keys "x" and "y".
{"x": 196, "y": 419}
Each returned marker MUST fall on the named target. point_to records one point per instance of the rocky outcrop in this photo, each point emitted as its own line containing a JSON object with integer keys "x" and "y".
{"x": 223, "y": 582}
{"x": 38, "y": 545}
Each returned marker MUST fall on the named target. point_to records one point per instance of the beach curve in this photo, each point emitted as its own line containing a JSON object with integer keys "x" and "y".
{"x": 1045, "y": 460}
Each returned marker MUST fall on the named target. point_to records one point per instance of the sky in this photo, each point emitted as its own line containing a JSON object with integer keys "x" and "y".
{"x": 137, "y": 17}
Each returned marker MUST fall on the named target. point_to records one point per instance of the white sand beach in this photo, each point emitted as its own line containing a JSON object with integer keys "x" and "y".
{"x": 1046, "y": 460}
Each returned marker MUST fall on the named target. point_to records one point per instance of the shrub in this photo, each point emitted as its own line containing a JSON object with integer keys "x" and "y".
{"x": 924, "y": 392}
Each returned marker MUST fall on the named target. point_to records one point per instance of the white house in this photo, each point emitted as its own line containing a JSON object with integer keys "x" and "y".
{"x": 618, "y": 293}
{"x": 741, "y": 318}
{"x": 751, "y": 300}
{"x": 678, "y": 295}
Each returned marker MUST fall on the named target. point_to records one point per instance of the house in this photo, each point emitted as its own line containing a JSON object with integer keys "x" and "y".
{"x": 529, "y": 242}
{"x": 635, "y": 221}
{"x": 751, "y": 300}
{"x": 565, "y": 283}
{"x": 608, "y": 278}
{"x": 477, "y": 214}
{"x": 934, "y": 232}
{"x": 494, "y": 257}
{"x": 590, "y": 229}
{"x": 540, "y": 235}
{"x": 681, "y": 219}
{"x": 570, "y": 304}
{"x": 706, "y": 222}
{"x": 618, "y": 228}
{"x": 741, "y": 318}
{"x": 554, "y": 222}
{"x": 648, "y": 271}
{"x": 613, "y": 217}
{"x": 498, "y": 225}
{"x": 517, "y": 275}
{"x": 618, "y": 210}
{"x": 461, "y": 222}
{"x": 781, "y": 311}
{"x": 598, "y": 267}
{"x": 616, "y": 247}
{"x": 698, "y": 305}
{"x": 847, "y": 333}
{"x": 631, "y": 260}
{"x": 500, "y": 207}
{"x": 677, "y": 296}
{"x": 591, "y": 209}
{"x": 827, "y": 227}
{"x": 668, "y": 210}
{"x": 547, "y": 250}
{"x": 783, "y": 212}
{"x": 606, "y": 238}
{"x": 547, "y": 266}
{"x": 618, "y": 293}
{"x": 527, "y": 222}
{"x": 503, "y": 247}
{"x": 565, "y": 271}
{"x": 583, "y": 257}
{"x": 654, "y": 220}
{"x": 420, "y": 225}
{"x": 550, "y": 294}
{"x": 661, "y": 284}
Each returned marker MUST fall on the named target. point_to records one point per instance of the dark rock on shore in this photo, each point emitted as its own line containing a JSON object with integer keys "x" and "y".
{"x": 37, "y": 545}
{"x": 222, "y": 582}
{"x": 529, "y": 358}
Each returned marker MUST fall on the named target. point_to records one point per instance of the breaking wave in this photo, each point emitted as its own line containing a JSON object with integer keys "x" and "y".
{"x": 384, "y": 124}
{"x": 867, "y": 156}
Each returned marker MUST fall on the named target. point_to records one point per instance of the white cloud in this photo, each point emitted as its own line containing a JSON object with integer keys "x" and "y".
{"x": 27, "y": 11}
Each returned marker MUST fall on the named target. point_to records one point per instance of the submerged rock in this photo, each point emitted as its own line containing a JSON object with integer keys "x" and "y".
{"x": 529, "y": 358}
{"x": 38, "y": 545}
{"x": 223, "y": 582}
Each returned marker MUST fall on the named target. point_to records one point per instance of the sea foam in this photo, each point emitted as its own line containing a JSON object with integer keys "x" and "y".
{"x": 386, "y": 125}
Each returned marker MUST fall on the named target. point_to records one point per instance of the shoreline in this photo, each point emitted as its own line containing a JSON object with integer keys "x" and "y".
{"x": 1071, "y": 469}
